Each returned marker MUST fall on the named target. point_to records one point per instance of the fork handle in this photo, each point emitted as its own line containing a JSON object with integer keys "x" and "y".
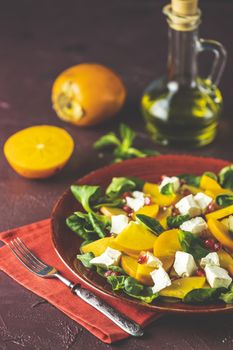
{"x": 123, "y": 322}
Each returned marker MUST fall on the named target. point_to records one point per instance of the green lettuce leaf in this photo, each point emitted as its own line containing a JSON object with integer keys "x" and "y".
{"x": 176, "y": 221}
{"x": 150, "y": 223}
{"x": 192, "y": 245}
{"x": 120, "y": 185}
{"x": 224, "y": 200}
{"x": 86, "y": 195}
{"x": 191, "y": 180}
{"x": 226, "y": 177}
{"x": 203, "y": 295}
{"x": 85, "y": 259}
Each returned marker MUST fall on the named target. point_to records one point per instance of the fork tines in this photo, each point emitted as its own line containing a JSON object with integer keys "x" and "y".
{"x": 27, "y": 258}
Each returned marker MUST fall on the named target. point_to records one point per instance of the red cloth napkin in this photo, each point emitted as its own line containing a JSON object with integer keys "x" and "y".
{"x": 37, "y": 237}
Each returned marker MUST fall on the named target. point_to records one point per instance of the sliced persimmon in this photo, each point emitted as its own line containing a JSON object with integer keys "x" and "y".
{"x": 221, "y": 233}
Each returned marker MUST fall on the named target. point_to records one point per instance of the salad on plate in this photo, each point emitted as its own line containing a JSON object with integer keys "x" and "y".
{"x": 169, "y": 240}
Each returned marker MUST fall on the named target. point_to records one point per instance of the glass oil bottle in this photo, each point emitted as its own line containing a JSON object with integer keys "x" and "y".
{"x": 183, "y": 108}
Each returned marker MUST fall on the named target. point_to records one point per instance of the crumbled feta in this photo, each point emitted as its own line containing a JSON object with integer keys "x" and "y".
{"x": 202, "y": 200}
{"x": 170, "y": 180}
{"x": 119, "y": 223}
{"x": 135, "y": 203}
{"x": 138, "y": 194}
{"x": 217, "y": 276}
{"x": 211, "y": 259}
{"x": 108, "y": 258}
{"x": 196, "y": 225}
{"x": 184, "y": 264}
{"x": 188, "y": 205}
{"x": 152, "y": 261}
{"x": 160, "y": 278}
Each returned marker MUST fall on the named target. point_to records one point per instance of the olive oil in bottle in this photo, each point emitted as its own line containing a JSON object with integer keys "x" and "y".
{"x": 183, "y": 108}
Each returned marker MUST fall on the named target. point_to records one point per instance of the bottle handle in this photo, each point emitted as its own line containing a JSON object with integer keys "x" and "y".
{"x": 220, "y": 57}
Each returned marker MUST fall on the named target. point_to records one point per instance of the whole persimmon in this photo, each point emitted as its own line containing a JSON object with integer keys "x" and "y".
{"x": 87, "y": 94}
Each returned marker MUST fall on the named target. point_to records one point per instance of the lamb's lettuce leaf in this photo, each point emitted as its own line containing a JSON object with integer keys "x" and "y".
{"x": 192, "y": 245}
{"x": 226, "y": 177}
{"x": 152, "y": 224}
{"x": 203, "y": 295}
{"x": 119, "y": 185}
{"x": 176, "y": 221}
{"x": 86, "y": 195}
{"x": 224, "y": 200}
{"x": 191, "y": 180}
{"x": 86, "y": 259}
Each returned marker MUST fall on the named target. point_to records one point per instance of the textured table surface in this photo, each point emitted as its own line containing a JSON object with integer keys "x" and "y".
{"x": 38, "y": 40}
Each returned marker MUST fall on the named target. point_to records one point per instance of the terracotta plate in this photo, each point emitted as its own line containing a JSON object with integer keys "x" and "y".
{"x": 67, "y": 243}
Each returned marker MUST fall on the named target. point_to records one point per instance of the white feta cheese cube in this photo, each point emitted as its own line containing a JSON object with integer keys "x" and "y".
{"x": 211, "y": 259}
{"x": 196, "y": 225}
{"x": 188, "y": 205}
{"x": 102, "y": 261}
{"x": 184, "y": 264}
{"x": 135, "y": 203}
{"x": 119, "y": 223}
{"x": 160, "y": 278}
{"x": 217, "y": 276}
{"x": 202, "y": 200}
{"x": 170, "y": 180}
{"x": 138, "y": 194}
{"x": 152, "y": 261}
{"x": 109, "y": 257}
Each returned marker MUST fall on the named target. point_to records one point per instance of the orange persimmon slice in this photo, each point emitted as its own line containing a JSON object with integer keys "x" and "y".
{"x": 39, "y": 151}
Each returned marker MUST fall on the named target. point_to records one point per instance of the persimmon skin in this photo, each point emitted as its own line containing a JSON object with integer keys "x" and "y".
{"x": 94, "y": 92}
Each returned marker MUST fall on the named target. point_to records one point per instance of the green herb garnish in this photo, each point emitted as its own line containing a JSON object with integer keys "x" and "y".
{"x": 123, "y": 145}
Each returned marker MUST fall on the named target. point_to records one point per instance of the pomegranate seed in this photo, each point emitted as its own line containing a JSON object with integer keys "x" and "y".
{"x": 173, "y": 278}
{"x": 209, "y": 244}
{"x": 200, "y": 272}
{"x": 186, "y": 192}
{"x": 111, "y": 273}
{"x": 211, "y": 207}
{"x": 127, "y": 194}
{"x": 107, "y": 273}
{"x": 217, "y": 246}
{"x": 142, "y": 259}
{"x": 147, "y": 201}
{"x": 175, "y": 211}
{"x": 127, "y": 209}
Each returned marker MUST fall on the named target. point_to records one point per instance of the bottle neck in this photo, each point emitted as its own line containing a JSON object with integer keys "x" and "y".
{"x": 182, "y": 57}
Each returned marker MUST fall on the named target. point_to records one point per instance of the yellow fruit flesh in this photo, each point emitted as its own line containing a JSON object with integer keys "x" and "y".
{"x": 180, "y": 287}
{"x": 158, "y": 198}
{"x": 143, "y": 274}
{"x": 149, "y": 210}
{"x": 207, "y": 183}
{"x": 108, "y": 211}
{"x": 129, "y": 265}
{"x": 99, "y": 246}
{"x": 39, "y": 151}
{"x": 221, "y": 213}
{"x": 135, "y": 238}
{"x": 163, "y": 215}
{"x": 167, "y": 244}
{"x": 226, "y": 261}
{"x": 221, "y": 233}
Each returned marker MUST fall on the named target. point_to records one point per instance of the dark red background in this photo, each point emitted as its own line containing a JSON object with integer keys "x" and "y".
{"x": 38, "y": 39}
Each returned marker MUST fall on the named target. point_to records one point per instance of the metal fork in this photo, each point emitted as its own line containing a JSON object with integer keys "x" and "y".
{"x": 39, "y": 268}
